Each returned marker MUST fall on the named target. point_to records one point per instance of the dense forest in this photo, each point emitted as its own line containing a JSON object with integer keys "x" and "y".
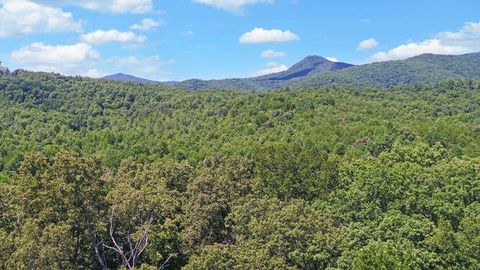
{"x": 115, "y": 175}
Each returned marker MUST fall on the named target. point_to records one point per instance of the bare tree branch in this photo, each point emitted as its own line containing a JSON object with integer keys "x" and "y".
{"x": 165, "y": 263}
{"x": 116, "y": 247}
{"x": 96, "y": 244}
{"x": 129, "y": 258}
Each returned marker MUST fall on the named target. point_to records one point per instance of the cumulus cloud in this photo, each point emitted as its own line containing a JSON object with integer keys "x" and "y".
{"x": 465, "y": 40}
{"x": 411, "y": 49}
{"x": 367, "y": 44}
{"x": 113, "y": 6}
{"x": 272, "y": 67}
{"x": 235, "y": 6}
{"x": 93, "y": 73}
{"x": 65, "y": 59}
{"x": 112, "y": 35}
{"x": 260, "y": 35}
{"x": 149, "y": 67}
{"x": 23, "y": 17}
{"x": 332, "y": 59}
{"x": 146, "y": 24}
{"x": 272, "y": 54}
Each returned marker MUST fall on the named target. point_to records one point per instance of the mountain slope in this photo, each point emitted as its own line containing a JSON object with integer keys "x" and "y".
{"x": 308, "y": 66}
{"x": 426, "y": 68}
{"x": 315, "y": 71}
{"x": 130, "y": 78}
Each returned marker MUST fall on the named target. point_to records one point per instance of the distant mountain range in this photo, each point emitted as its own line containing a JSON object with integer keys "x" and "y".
{"x": 307, "y": 67}
{"x": 130, "y": 78}
{"x": 426, "y": 68}
{"x": 316, "y": 71}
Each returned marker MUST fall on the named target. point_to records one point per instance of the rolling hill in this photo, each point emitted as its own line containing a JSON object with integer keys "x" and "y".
{"x": 310, "y": 65}
{"x": 130, "y": 78}
{"x": 426, "y": 68}
{"x": 315, "y": 71}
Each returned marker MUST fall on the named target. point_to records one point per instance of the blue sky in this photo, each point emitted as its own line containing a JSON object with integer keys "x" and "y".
{"x": 211, "y": 39}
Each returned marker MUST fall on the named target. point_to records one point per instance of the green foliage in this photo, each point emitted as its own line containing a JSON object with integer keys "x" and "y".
{"x": 225, "y": 256}
{"x": 303, "y": 237}
{"x": 210, "y": 197}
{"x": 107, "y": 175}
{"x": 142, "y": 205}
{"x": 468, "y": 239}
{"x": 55, "y": 204}
{"x": 292, "y": 170}
{"x": 390, "y": 255}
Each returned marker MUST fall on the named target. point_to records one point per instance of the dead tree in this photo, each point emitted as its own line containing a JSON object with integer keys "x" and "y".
{"x": 135, "y": 248}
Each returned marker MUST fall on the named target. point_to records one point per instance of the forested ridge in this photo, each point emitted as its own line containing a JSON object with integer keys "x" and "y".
{"x": 425, "y": 68}
{"x": 106, "y": 175}
{"x": 315, "y": 71}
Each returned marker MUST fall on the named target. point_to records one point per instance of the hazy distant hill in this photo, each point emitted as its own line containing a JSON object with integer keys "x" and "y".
{"x": 308, "y": 66}
{"x": 314, "y": 71}
{"x": 426, "y": 68}
{"x": 129, "y": 78}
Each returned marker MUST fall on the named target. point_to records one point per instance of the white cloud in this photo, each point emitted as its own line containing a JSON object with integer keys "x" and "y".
{"x": 149, "y": 67}
{"x": 367, "y": 44}
{"x": 112, "y": 35}
{"x": 93, "y": 73}
{"x": 332, "y": 59}
{"x": 466, "y": 40}
{"x": 146, "y": 24}
{"x": 412, "y": 49}
{"x": 235, "y": 6}
{"x": 468, "y": 37}
{"x": 22, "y": 17}
{"x": 272, "y": 67}
{"x": 113, "y": 6}
{"x": 65, "y": 59}
{"x": 260, "y": 35}
{"x": 272, "y": 54}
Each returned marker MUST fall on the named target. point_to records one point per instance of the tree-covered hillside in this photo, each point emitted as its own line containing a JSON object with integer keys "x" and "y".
{"x": 314, "y": 72}
{"x": 308, "y": 66}
{"x": 103, "y": 175}
{"x": 426, "y": 68}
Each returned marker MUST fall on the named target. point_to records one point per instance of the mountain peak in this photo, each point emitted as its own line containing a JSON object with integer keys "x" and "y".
{"x": 311, "y": 61}
{"x": 314, "y": 58}
{"x": 309, "y": 65}
{"x": 125, "y": 77}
